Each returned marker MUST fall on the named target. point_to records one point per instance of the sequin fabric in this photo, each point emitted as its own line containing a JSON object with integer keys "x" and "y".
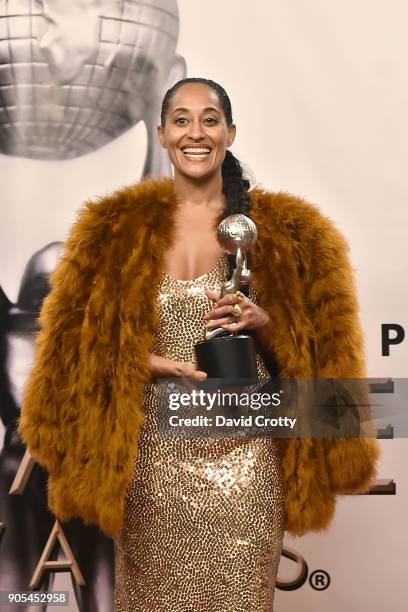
{"x": 204, "y": 518}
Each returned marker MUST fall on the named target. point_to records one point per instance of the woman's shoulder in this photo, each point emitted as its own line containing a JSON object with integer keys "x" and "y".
{"x": 284, "y": 206}
{"x": 129, "y": 197}
{"x": 294, "y": 215}
{"x": 101, "y": 218}
{"x": 113, "y": 210}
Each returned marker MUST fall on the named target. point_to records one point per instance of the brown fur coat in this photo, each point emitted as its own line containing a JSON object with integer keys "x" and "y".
{"x": 83, "y": 403}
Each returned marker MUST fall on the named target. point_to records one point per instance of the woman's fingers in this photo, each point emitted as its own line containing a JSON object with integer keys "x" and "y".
{"x": 234, "y": 327}
{"x": 234, "y": 312}
{"x": 217, "y": 313}
{"x": 219, "y": 322}
{"x": 199, "y": 375}
{"x": 190, "y": 371}
{"x": 213, "y": 295}
{"x": 229, "y": 298}
{"x": 226, "y": 306}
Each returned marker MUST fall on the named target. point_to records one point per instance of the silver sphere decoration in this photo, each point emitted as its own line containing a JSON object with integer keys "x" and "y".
{"x": 75, "y": 75}
{"x": 237, "y": 231}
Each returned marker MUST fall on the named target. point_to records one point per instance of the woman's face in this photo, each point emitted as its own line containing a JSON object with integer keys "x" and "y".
{"x": 196, "y": 133}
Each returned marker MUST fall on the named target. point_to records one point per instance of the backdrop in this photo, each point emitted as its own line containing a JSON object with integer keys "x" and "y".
{"x": 319, "y": 95}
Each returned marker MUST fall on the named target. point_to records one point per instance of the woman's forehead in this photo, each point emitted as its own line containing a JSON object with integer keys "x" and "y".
{"x": 193, "y": 95}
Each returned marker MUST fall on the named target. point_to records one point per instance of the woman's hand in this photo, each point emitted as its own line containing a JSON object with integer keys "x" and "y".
{"x": 162, "y": 367}
{"x": 247, "y": 314}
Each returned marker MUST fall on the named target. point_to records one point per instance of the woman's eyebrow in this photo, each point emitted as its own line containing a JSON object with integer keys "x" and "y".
{"x": 186, "y": 110}
{"x": 210, "y": 108}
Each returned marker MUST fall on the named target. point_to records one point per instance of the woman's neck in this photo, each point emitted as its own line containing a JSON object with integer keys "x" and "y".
{"x": 200, "y": 193}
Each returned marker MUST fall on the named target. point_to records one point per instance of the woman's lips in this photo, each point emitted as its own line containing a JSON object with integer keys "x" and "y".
{"x": 196, "y": 152}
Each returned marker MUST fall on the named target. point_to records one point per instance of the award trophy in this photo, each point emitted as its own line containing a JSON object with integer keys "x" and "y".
{"x": 224, "y": 355}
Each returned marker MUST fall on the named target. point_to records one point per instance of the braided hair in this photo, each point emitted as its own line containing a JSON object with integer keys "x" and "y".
{"x": 235, "y": 185}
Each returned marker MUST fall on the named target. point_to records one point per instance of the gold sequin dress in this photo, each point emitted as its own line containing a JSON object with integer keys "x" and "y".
{"x": 204, "y": 518}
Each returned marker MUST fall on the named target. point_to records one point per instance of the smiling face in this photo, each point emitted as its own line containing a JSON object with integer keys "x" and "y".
{"x": 196, "y": 133}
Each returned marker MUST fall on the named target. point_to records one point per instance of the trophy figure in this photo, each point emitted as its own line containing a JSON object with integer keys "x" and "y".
{"x": 223, "y": 354}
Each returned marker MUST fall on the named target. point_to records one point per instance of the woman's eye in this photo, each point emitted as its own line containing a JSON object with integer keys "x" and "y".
{"x": 210, "y": 120}
{"x": 180, "y": 120}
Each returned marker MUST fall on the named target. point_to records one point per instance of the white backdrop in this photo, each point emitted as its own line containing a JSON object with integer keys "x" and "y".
{"x": 319, "y": 94}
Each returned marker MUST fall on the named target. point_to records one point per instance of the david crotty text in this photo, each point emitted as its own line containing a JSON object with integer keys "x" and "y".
{"x": 222, "y": 421}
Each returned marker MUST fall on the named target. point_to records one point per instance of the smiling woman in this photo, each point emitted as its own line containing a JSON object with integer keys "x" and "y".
{"x": 196, "y": 129}
{"x": 198, "y": 523}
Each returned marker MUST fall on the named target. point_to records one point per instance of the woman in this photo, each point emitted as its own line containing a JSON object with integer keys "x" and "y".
{"x": 198, "y": 524}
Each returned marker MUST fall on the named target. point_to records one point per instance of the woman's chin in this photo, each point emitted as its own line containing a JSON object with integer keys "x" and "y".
{"x": 196, "y": 171}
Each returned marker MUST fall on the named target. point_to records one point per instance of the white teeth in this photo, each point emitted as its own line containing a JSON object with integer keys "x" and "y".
{"x": 196, "y": 150}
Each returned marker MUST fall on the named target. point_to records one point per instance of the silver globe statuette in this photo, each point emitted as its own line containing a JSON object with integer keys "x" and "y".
{"x": 236, "y": 234}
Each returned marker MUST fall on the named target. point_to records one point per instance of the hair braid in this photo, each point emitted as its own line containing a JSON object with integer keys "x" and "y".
{"x": 235, "y": 186}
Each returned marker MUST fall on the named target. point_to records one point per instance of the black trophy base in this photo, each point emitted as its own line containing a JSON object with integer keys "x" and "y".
{"x": 227, "y": 357}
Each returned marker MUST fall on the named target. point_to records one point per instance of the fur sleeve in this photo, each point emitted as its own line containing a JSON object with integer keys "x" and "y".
{"x": 49, "y": 394}
{"x": 338, "y": 350}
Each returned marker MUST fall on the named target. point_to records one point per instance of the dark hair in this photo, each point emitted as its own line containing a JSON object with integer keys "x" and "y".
{"x": 235, "y": 185}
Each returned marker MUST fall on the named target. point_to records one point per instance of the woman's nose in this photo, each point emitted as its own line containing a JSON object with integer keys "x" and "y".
{"x": 196, "y": 129}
